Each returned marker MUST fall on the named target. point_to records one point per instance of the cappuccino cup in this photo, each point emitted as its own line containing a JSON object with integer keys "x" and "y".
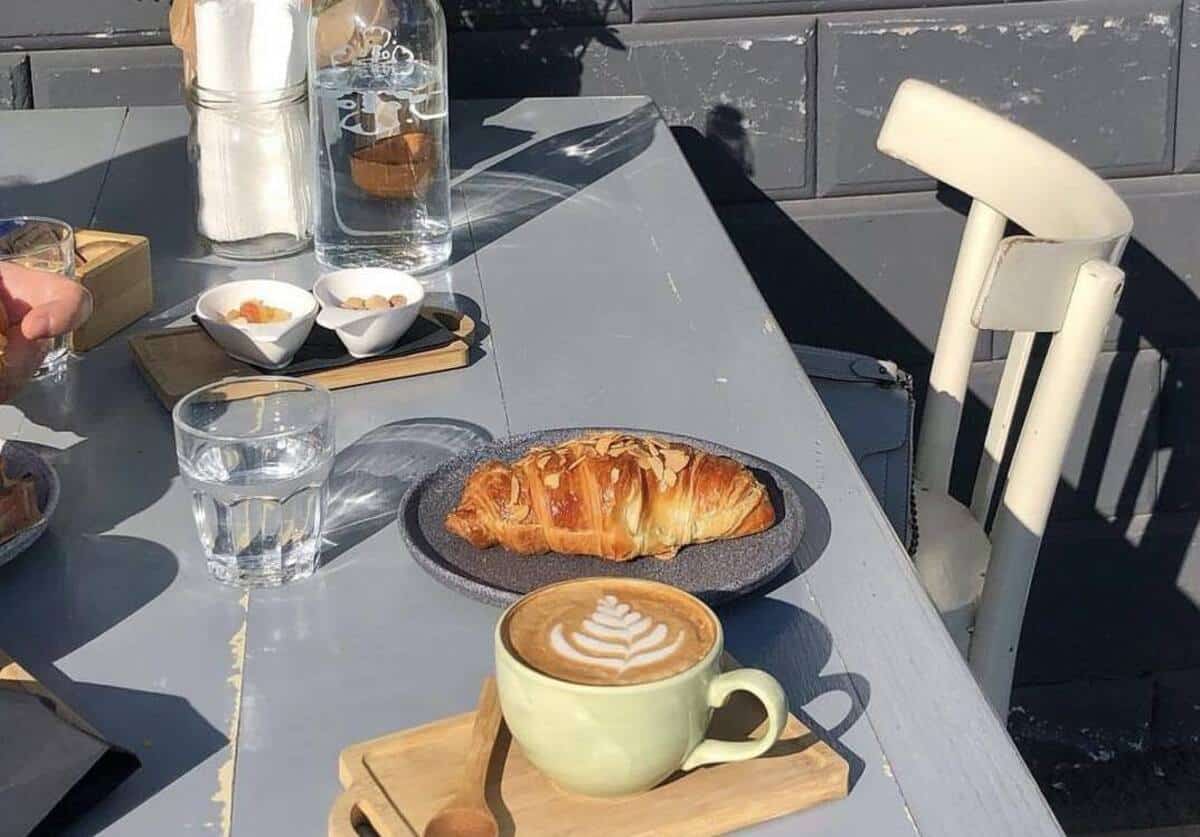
{"x": 609, "y": 684}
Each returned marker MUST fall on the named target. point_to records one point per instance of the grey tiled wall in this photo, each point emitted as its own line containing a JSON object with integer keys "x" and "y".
{"x": 1179, "y": 487}
{"x": 1097, "y": 77}
{"x": 95, "y": 18}
{"x": 755, "y": 111}
{"x": 1111, "y": 468}
{"x": 652, "y": 10}
{"x": 1113, "y": 600}
{"x": 14, "y": 82}
{"x": 843, "y": 272}
{"x": 1187, "y": 129}
{"x": 517, "y": 14}
{"x": 113, "y": 76}
{"x": 1159, "y": 307}
{"x": 740, "y": 91}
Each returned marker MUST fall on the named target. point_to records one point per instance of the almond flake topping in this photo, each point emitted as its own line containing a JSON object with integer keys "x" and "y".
{"x": 657, "y": 467}
{"x": 551, "y": 480}
{"x": 675, "y": 460}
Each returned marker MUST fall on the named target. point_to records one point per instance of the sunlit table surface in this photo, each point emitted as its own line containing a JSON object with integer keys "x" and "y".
{"x": 610, "y": 296}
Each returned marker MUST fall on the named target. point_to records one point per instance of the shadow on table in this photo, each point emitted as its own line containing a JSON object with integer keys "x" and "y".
{"x": 792, "y": 644}
{"x": 818, "y": 527}
{"x": 103, "y": 484}
{"x": 518, "y": 188}
{"x": 795, "y": 647}
{"x": 106, "y": 579}
{"x": 468, "y": 306}
{"x": 487, "y": 140}
{"x": 371, "y": 475}
{"x": 158, "y": 202}
{"x": 165, "y": 732}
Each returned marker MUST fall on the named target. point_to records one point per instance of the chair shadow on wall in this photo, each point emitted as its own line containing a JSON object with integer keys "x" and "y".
{"x": 1128, "y": 596}
{"x": 546, "y": 44}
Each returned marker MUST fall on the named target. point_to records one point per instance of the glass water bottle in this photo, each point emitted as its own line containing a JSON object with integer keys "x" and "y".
{"x": 377, "y": 70}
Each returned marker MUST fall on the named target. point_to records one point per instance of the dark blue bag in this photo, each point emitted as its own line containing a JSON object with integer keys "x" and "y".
{"x": 871, "y": 402}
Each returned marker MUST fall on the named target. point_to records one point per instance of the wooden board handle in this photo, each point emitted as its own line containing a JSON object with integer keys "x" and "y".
{"x": 457, "y": 323}
{"x": 365, "y": 803}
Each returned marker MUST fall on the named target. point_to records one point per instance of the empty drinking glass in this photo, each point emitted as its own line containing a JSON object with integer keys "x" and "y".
{"x": 256, "y": 454}
{"x": 44, "y": 244}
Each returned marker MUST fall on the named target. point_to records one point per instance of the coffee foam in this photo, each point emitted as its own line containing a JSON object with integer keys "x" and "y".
{"x": 609, "y": 632}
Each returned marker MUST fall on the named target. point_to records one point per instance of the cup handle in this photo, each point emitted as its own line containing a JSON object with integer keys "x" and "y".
{"x": 768, "y": 691}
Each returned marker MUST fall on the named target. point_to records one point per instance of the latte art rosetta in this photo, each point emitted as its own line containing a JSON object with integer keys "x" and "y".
{"x": 609, "y": 631}
{"x": 615, "y": 637}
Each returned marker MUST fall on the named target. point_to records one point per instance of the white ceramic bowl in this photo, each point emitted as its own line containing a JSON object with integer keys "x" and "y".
{"x": 271, "y": 345}
{"x": 367, "y": 333}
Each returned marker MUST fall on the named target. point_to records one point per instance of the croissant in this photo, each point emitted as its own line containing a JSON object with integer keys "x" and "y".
{"x": 610, "y": 495}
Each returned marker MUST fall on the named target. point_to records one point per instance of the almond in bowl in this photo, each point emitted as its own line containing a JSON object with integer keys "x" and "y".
{"x": 377, "y": 302}
{"x": 370, "y": 308}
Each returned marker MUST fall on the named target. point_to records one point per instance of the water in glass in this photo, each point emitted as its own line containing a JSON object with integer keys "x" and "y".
{"x": 380, "y": 124}
{"x": 47, "y": 245}
{"x": 258, "y": 469}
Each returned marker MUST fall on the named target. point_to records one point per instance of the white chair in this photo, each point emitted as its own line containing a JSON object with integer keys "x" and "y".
{"x": 1060, "y": 278}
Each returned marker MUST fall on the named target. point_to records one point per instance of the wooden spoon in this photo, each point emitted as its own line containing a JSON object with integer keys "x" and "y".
{"x": 467, "y": 814}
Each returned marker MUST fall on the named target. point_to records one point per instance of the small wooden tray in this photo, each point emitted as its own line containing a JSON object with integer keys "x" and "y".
{"x": 398, "y": 782}
{"x": 115, "y": 267}
{"x": 176, "y": 361}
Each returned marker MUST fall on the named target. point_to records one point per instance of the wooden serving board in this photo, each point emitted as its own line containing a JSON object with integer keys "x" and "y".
{"x": 176, "y": 361}
{"x": 398, "y": 782}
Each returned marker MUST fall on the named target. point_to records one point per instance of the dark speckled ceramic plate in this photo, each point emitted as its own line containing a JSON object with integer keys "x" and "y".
{"x": 22, "y": 460}
{"x": 715, "y": 572}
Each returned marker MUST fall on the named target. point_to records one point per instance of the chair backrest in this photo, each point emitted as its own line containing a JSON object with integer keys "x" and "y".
{"x": 1059, "y": 278}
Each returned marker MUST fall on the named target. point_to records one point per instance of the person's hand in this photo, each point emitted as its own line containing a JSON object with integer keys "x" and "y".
{"x": 39, "y": 306}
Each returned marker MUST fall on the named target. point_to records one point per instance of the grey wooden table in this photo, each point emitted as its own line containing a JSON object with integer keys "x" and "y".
{"x": 611, "y": 296}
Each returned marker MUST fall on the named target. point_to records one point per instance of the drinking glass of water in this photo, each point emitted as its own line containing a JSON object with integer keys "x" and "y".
{"x": 256, "y": 455}
{"x": 43, "y": 244}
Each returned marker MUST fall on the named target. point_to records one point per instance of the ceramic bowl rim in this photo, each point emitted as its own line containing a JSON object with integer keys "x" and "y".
{"x": 326, "y": 300}
{"x": 293, "y": 291}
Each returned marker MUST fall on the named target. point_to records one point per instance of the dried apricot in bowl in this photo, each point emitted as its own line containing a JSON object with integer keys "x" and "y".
{"x": 257, "y": 312}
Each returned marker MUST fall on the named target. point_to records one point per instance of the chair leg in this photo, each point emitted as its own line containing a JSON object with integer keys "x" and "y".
{"x": 956, "y": 347}
{"x": 1037, "y": 464}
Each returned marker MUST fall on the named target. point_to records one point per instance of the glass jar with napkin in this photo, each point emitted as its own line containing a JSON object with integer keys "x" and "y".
{"x": 249, "y": 143}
